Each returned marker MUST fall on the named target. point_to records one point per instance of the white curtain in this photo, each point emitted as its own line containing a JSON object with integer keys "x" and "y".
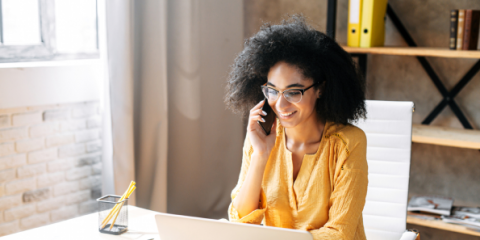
{"x": 205, "y": 140}
{"x": 108, "y": 186}
{"x": 151, "y": 97}
{"x": 119, "y": 159}
{"x": 168, "y": 64}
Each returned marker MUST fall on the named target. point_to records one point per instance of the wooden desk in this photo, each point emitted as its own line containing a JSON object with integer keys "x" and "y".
{"x": 141, "y": 226}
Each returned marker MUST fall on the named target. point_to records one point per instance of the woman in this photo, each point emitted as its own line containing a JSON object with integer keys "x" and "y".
{"x": 310, "y": 173}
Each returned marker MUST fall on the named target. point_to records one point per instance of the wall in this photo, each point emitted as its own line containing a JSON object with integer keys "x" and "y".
{"x": 435, "y": 170}
{"x": 50, "y": 164}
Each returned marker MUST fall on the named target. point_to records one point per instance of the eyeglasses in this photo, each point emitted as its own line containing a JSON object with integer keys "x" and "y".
{"x": 291, "y": 95}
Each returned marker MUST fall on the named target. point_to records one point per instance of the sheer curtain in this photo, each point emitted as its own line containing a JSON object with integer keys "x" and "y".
{"x": 168, "y": 62}
{"x": 205, "y": 140}
{"x": 136, "y": 116}
{"x": 118, "y": 135}
{"x": 151, "y": 104}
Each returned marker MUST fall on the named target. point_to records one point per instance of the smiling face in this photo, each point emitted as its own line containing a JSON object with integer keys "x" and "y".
{"x": 283, "y": 76}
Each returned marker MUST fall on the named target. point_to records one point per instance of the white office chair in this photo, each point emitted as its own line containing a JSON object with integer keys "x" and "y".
{"x": 389, "y": 139}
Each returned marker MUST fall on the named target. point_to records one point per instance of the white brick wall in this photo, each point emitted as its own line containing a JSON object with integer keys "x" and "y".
{"x": 71, "y": 150}
{"x": 19, "y": 212}
{"x": 87, "y": 207}
{"x": 9, "y": 202}
{"x": 64, "y": 213}
{"x": 73, "y": 125}
{"x": 60, "y": 165}
{"x": 7, "y": 149}
{"x": 19, "y": 186}
{"x": 29, "y": 145}
{"x": 31, "y": 170}
{"x": 4, "y": 121}
{"x": 78, "y": 173}
{"x": 44, "y": 129}
{"x": 42, "y": 155}
{"x": 9, "y": 228}
{"x": 59, "y": 140}
{"x": 94, "y": 122}
{"x": 50, "y": 164}
{"x": 50, "y": 204}
{"x": 29, "y": 118}
{"x": 78, "y": 197}
{"x": 90, "y": 182}
{"x": 35, "y": 221}
{"x": 13, "y": 161}
{"x": 94, "y": 146}
{"x": 56, "y": 115}
{"x": 7, "y": 175}
{"x": 50, "y": 179}
{"x": 86, "y": 136}
{"x": 86, "y": 110}
{"x": 12, "y": 134}
{"x": 65, "y": 187}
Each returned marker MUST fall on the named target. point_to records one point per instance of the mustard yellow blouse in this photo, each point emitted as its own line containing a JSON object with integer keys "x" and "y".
{"x": 328, "y": 196}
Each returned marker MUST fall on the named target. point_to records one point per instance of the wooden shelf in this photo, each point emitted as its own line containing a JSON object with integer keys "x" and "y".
{"x": 441, "y": 225}
{"x": 463, "y": 138}
{"x": 415, "y": 51}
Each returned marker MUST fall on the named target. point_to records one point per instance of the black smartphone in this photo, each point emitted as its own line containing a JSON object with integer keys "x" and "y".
{"x": 269, "y": 119}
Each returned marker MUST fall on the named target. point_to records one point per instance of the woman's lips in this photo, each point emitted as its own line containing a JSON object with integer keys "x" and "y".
{"x": 287, "y": 115}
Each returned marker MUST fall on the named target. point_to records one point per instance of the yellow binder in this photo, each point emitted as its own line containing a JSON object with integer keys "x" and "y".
{"x": 373, "y": 23}
{"x": 354, "y": 17}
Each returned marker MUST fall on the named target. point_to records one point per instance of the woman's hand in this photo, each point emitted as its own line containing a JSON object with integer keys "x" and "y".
{"x": 261, "y": 143}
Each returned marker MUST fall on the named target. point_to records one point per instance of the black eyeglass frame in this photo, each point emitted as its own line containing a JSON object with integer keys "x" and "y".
{"x": 282, "y": 92}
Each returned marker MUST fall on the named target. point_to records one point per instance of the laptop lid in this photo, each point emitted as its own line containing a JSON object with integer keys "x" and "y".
{"x": 175, "y": 227}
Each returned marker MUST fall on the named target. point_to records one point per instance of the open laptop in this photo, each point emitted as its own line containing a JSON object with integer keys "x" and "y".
{"x": 176, "y": 227}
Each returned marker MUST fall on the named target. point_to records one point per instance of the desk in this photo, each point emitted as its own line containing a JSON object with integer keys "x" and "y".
{"x": 141, "y": 226}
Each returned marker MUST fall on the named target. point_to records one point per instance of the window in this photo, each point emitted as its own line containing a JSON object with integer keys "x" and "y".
{"x": 42, "y": 30}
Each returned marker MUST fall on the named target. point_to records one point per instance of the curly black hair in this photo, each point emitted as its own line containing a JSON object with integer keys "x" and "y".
{"x": 316, "y": 55}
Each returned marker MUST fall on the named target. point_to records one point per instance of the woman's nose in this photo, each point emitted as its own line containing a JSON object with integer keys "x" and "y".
{"x": 282, "y": 103}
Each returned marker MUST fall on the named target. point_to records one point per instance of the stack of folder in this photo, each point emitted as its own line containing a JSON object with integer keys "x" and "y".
{"x": 366, "y": 23}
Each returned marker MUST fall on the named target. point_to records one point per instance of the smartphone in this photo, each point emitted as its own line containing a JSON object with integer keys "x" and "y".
{"x": 269, "y": 119}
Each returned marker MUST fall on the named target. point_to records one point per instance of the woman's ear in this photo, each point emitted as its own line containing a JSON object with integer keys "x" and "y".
{"x": 320, "y": 89}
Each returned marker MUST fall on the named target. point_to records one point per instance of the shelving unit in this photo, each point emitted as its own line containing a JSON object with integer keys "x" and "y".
{"x": 462, "y": 138}
{"x": 414, "y": 51}
{"x": 441, "y": 225}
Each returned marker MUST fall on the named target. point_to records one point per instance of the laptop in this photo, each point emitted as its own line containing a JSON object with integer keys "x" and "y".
{"x": 176, "y": 227}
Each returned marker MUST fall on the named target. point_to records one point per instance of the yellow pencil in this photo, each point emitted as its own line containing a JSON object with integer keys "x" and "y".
{"x": 123, "y": 197}
{"x": 112, "y": 212}
{"x": 120, "y": 208}
{"x": 116, "y": 215}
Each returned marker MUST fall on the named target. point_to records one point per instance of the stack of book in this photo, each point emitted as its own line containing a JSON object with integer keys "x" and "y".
{"x": 464, "y": 25}
{"x": 439, "y": 208}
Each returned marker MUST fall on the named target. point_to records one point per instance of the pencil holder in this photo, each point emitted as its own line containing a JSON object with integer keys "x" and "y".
{"x": 112, "y": 211}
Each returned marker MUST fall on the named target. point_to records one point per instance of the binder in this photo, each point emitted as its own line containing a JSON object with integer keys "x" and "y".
{"x": 354, "y": 17}
{"x": 373, "y": 23}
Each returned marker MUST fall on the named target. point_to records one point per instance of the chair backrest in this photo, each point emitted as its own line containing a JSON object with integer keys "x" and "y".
{"x": 389, "y": 139}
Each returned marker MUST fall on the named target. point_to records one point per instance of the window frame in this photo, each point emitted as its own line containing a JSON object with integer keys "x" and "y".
{"x": 46, "y": 51}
